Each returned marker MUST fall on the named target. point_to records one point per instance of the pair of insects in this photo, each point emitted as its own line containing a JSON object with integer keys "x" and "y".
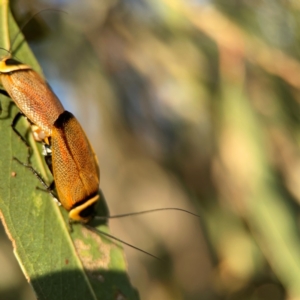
{"x": 69, "y": 154}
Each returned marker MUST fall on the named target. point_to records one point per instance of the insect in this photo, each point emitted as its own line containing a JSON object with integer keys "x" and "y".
{"x": 32, "y": 95}
{"x": 75, "y": 168}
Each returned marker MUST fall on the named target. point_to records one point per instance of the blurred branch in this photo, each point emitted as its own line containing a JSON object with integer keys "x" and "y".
{"x": 229, "y": 35}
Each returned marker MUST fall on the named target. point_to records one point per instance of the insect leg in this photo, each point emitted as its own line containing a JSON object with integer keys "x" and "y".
{"x": 48, "y": 188}
{"x": 4, "y": 93}
{"x": 13, "y": 126}
{"x": 47, "y": 153}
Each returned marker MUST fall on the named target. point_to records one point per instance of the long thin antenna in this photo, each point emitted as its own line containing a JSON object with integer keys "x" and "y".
{"x": 145, "y": 212}
{"x": 121, "y": 241}
{"x": 29, "y": 19}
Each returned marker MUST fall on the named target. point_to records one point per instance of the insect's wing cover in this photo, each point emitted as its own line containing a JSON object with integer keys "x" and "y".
{"x": 75, "y": 167}
{"x": 34, "y": 97}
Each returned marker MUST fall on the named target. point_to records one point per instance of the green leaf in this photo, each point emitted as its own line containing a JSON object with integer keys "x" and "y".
{"x": 58, "y": 265}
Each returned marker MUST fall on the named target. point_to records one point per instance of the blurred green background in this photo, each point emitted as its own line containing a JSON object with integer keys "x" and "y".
{"x": 190, "y": 104}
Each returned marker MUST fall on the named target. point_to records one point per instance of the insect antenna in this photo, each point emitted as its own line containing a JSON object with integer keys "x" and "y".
{"x": 145, "y": 212}
{"x": 26, "y": 23}
{"x": 104, "y": 218}
{"x": 97, "y": 231}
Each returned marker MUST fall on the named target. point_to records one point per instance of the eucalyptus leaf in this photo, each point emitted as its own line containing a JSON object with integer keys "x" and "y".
{"x": 58, "y": 263}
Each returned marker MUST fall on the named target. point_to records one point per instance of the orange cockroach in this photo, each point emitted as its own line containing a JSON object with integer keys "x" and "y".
{"x": 75, "y": 168}
{"x": 32, "y": 95}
